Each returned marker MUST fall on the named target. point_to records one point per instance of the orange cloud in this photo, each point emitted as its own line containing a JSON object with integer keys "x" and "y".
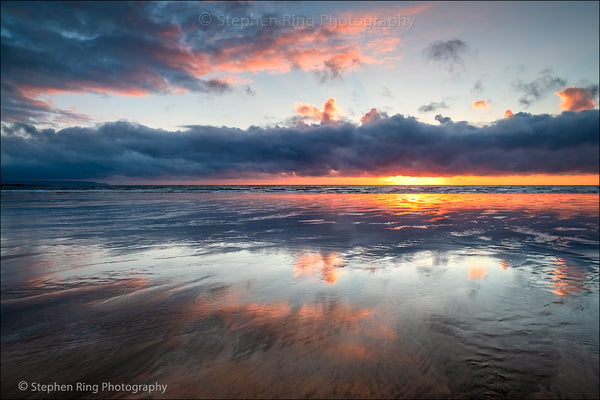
{"x": 576, "y": 99}
{"x": 371, "y": 116}
{"x": 481, "y": 105}
{"x": 508, "y": 114}
{"x": 330, "y": 112}
{"x": 306, "y": 49}
{"x": 309, "y": 111}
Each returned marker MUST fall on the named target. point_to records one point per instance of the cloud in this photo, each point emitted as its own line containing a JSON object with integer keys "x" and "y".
{"x": 537, "y": 89}
{"x": 249, "y": 91}
{"x": 443, "y": 120}
{"x": 432, "y": 107}
{"x": 383, "y": 45}
{"x": 309, "y": 111}
{"x": 372, "y": 116}
{"x": 477, "y": 87}
{"x": 450, "y": 54}
{"x": 399, "y": 145}
{"x": 330, "y": 111}
{"x": 577, "y": 99}
{"x": 138, "y": 49}
{"x": 508, "y": 114}
{"x": 16, "y": 107}
{"x": 386, "y": 92}
{"x": 375, "y": 19}
{"x": 481, "y": 105}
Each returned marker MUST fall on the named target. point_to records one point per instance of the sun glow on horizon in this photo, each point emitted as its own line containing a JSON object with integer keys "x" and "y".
{"x": 540, "y": 179}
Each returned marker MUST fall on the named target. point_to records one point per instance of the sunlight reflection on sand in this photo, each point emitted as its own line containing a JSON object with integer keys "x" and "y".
{"x": 328, "y": 266}
{"x": 326, "y": 296}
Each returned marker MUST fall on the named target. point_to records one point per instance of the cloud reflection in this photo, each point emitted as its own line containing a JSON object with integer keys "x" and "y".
{"x": 233, "y": 295}
{"x": 477, "y": 272}
{"x": 567, "y": 279}
{"x": 328, "y": 266}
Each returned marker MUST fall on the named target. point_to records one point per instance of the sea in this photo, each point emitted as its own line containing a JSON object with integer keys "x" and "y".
{"x": 318, "y": 189}
{"x": 282, "y": 291}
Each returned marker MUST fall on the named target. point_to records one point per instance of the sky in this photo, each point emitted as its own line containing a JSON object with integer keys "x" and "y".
{"x": 300, "y": 92}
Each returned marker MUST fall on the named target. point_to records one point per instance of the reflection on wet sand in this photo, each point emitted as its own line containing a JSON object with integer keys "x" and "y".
{"x": 316, "y": 349}
{"x": 328, "y": 266}
{"x": 567, "y": 279}
{"x": 293, "y": 296}
{"x": 477, "y": 272}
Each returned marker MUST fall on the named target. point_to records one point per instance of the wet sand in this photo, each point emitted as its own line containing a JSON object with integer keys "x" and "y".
{"x": 298, "y": 296}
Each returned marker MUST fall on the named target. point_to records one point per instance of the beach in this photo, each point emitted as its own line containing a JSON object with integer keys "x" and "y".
{"x": 317, "y": 294}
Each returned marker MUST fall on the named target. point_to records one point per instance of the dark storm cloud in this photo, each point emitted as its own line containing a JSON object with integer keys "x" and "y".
{"x": 442, "y": 120}
{"x": 450, "y": 54}
{"x": 18, "y": 108}
{"x": 112, "y": 47}
{"x": 433, "y": 106}
{"x": 522, "y": 144}
{"x": 546, "y": 83}
{"x": 102, "y": 46}
{"x": 140, "y": 48}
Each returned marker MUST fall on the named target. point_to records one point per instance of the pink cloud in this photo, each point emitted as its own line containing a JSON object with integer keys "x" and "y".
{"x": 306, "y": 49}
{"x": 508, "y": 114}
{"x": 383, "y": 45}
{"x": 375, "y": 20}
{"x": 371, "y": 116}
{"x": 330, "y": 112}
{"x": 308, "y": 111}
{"x": 576, "y": 99}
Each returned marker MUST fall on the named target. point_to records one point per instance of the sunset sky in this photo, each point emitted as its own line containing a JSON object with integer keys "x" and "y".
{"x": 301, "y": 92}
